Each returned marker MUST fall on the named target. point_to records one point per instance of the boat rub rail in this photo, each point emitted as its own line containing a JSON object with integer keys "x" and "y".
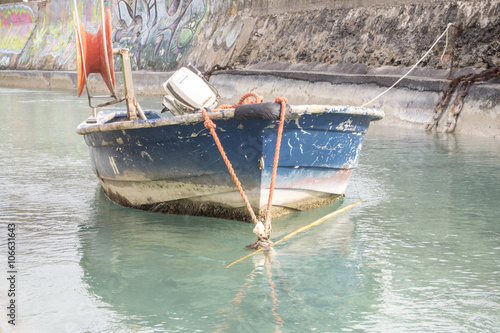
{"x": 104, "y": 119}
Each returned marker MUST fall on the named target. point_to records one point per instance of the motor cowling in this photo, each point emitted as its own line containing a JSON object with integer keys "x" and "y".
{"x": 187, "y": 90}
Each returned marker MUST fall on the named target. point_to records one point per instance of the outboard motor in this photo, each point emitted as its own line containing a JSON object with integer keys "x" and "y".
{"x": 187, "y": 90}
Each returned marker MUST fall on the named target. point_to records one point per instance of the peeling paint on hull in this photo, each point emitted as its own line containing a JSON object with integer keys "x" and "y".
{"x": 172, "y": 165}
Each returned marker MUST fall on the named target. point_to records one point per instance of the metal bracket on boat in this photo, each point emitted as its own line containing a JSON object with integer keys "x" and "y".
{"x": 133, "y": 107}
{"x": 94, "y": 55}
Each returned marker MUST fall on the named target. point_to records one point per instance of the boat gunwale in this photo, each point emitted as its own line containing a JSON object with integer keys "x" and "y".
{"x": 103, "y": 118}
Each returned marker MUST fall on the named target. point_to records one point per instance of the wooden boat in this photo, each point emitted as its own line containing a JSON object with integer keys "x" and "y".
{"x": 172, "y": 165}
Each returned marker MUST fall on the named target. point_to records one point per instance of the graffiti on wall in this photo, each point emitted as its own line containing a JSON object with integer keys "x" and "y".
{"x": 51, "y": 45}
{"x": 16, "y": 26}
{"x": 159, "y": 32}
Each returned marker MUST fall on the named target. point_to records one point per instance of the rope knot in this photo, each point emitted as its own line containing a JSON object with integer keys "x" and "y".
{"x": 260, "y": 230}
{"x": 208, "y": 122}
{"x": 282, "y": 100}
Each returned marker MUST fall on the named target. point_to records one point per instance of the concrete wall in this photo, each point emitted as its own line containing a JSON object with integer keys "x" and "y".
{"x": 40, "y": 34}
{"x": 328, "y": 51}
{"x": 164, "y": 35}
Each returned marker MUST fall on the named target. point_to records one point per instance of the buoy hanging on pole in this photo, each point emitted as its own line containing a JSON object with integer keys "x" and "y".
{"x": 94, "y": 53}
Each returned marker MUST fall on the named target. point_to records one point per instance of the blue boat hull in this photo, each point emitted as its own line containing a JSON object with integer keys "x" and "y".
{"x": 172, "y": 165}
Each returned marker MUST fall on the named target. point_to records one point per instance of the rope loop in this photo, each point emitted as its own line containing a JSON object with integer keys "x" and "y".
{"x": 281, "y": 100}
{"x": 248, "y": 98}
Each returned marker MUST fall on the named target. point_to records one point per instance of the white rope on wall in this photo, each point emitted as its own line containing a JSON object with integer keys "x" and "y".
{"x": 414, "y": 66}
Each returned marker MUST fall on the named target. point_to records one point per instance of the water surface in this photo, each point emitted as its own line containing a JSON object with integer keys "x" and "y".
{"x": 421, "y": 254}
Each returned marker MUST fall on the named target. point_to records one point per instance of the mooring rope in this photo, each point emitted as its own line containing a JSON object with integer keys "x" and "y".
{"x": 414, "y": 66}
{"x": 211, "y": 126}
{"x": 262, "y": 230}
{"x": 302, "y": 229}
{"x": 267, "y": 221}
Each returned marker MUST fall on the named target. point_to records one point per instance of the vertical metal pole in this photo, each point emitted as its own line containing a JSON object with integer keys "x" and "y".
{"x": 133, "y": 107}
{"x": 129, "y": 87}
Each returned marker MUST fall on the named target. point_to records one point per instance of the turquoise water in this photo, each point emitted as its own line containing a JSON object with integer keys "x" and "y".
{"x": 421, "y": 254}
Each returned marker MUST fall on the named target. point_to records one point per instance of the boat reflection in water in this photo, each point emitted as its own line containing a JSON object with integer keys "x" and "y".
{"x": 169, "y": 271}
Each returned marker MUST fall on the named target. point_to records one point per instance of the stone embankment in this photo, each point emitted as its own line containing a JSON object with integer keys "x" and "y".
{"x": 313, "y": 51}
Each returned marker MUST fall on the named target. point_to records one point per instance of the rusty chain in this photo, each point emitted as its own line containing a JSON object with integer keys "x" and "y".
{"x": 214, "y": 68}
{"x": 461, "y": 85}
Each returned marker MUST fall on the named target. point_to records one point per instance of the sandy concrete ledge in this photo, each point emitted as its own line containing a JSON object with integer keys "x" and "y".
{"x": 410, "y": 104}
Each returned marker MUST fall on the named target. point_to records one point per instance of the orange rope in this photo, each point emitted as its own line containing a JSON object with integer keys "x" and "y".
{"x": 211, "y": 126}
{"x": 267, "y": 223}
{"x": 245, "y": 99}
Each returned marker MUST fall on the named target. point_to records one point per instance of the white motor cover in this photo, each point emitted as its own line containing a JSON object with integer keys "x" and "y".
{"x": 189, "y": 90}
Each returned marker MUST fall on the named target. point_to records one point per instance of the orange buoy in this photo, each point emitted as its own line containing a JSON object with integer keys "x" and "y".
{"x": 94, "y": 54}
